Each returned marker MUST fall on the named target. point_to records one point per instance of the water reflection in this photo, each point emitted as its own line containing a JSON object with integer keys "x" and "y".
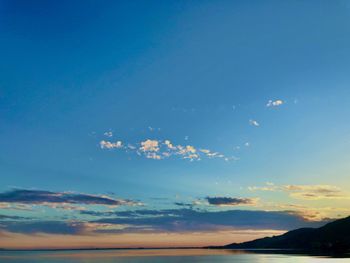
{"x": 169, "y": 255}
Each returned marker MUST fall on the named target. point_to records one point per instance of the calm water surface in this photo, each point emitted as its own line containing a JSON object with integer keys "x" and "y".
{"x": 158, "y": 255}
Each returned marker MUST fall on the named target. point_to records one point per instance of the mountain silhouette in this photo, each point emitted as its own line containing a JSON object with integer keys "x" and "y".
{"x": 332, "y": 236}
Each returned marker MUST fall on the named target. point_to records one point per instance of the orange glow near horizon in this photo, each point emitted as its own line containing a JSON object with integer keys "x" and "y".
{"x": 150, "y": 240}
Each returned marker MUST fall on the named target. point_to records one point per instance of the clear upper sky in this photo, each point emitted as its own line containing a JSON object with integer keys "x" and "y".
{"x": 121, "y": 119}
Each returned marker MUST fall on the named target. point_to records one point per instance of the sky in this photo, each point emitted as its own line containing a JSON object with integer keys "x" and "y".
{"x": 171, "y": 123}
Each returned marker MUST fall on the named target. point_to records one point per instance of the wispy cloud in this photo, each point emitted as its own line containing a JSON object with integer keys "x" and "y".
{"x": 152, "y": 129}
{"x": 307, "y": 211}
{"x": 163, "y": 149}
{"x": 274, "y": 103}
{"x": 305, "y": 192}
{"x": 108, "y": 134}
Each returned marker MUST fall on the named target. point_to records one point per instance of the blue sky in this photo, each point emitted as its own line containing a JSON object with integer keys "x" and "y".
{"x": 263, "y": 84}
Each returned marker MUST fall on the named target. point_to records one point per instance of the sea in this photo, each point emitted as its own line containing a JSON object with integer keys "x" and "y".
{"x": 168, "y": 256}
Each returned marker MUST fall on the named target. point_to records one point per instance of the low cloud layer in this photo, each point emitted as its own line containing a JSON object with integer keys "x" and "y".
{"x": 40, "y": 197}
{"x": 183, "y": 220}
{"x": 215, "y": 213}
{"x": 166, "y": 220}
{"x": 47, "y": 227}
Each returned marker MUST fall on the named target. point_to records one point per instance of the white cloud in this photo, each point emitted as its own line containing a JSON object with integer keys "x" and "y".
{"x": 188, "y": 152}
{"x": 190, "y": 149}
{"x": 204, "y": 151}
{"x": 150, "y": 146}
{"x": 254, "y": 123}
{"x": 274, "y": 103}
{"x": 108, "y": 134}
{"x": 153, "y": 155}
{"x": 169, "y": 145}
{"x": 192, "y": 156}
{"x": 131, "y": 147}
{"x": 110, "y": 145}
{"x": 158, "y": 149}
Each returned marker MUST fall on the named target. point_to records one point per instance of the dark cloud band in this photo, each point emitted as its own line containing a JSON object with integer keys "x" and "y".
{"x": 229, "y": 201}
{"x": 42, "y": 197}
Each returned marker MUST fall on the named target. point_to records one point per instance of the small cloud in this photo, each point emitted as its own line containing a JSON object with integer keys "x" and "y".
{"x": 150, "y": 146}
{"x": 152, "y": 129}
{"x": 232, "y": 158}
{"x": 108, "y": 134}
{"x": 153, "y": 155}
{"x": 192, "y": 157}
{"x": 230, "y": 201}
{"x": 213, "y": 154}
{"x": 169, "y": 145}
{"x": 197, "y": 202}
{"x": 190, "y": 149}
{"x": 166, "y": 154}
{"x": 110, "y": 145}
{"x": 254, "y": 123}
{"x": 131, "y": 147}
{"x": 275, "y": 103}
{"x": 183, "y": 204}
{"x": 206, "y": 151}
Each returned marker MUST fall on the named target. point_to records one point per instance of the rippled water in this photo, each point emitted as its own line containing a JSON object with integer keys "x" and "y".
{"x": 159, "y": 255}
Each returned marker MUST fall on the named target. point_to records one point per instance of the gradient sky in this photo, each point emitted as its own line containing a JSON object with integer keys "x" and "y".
{"x": 149, "y": 123}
